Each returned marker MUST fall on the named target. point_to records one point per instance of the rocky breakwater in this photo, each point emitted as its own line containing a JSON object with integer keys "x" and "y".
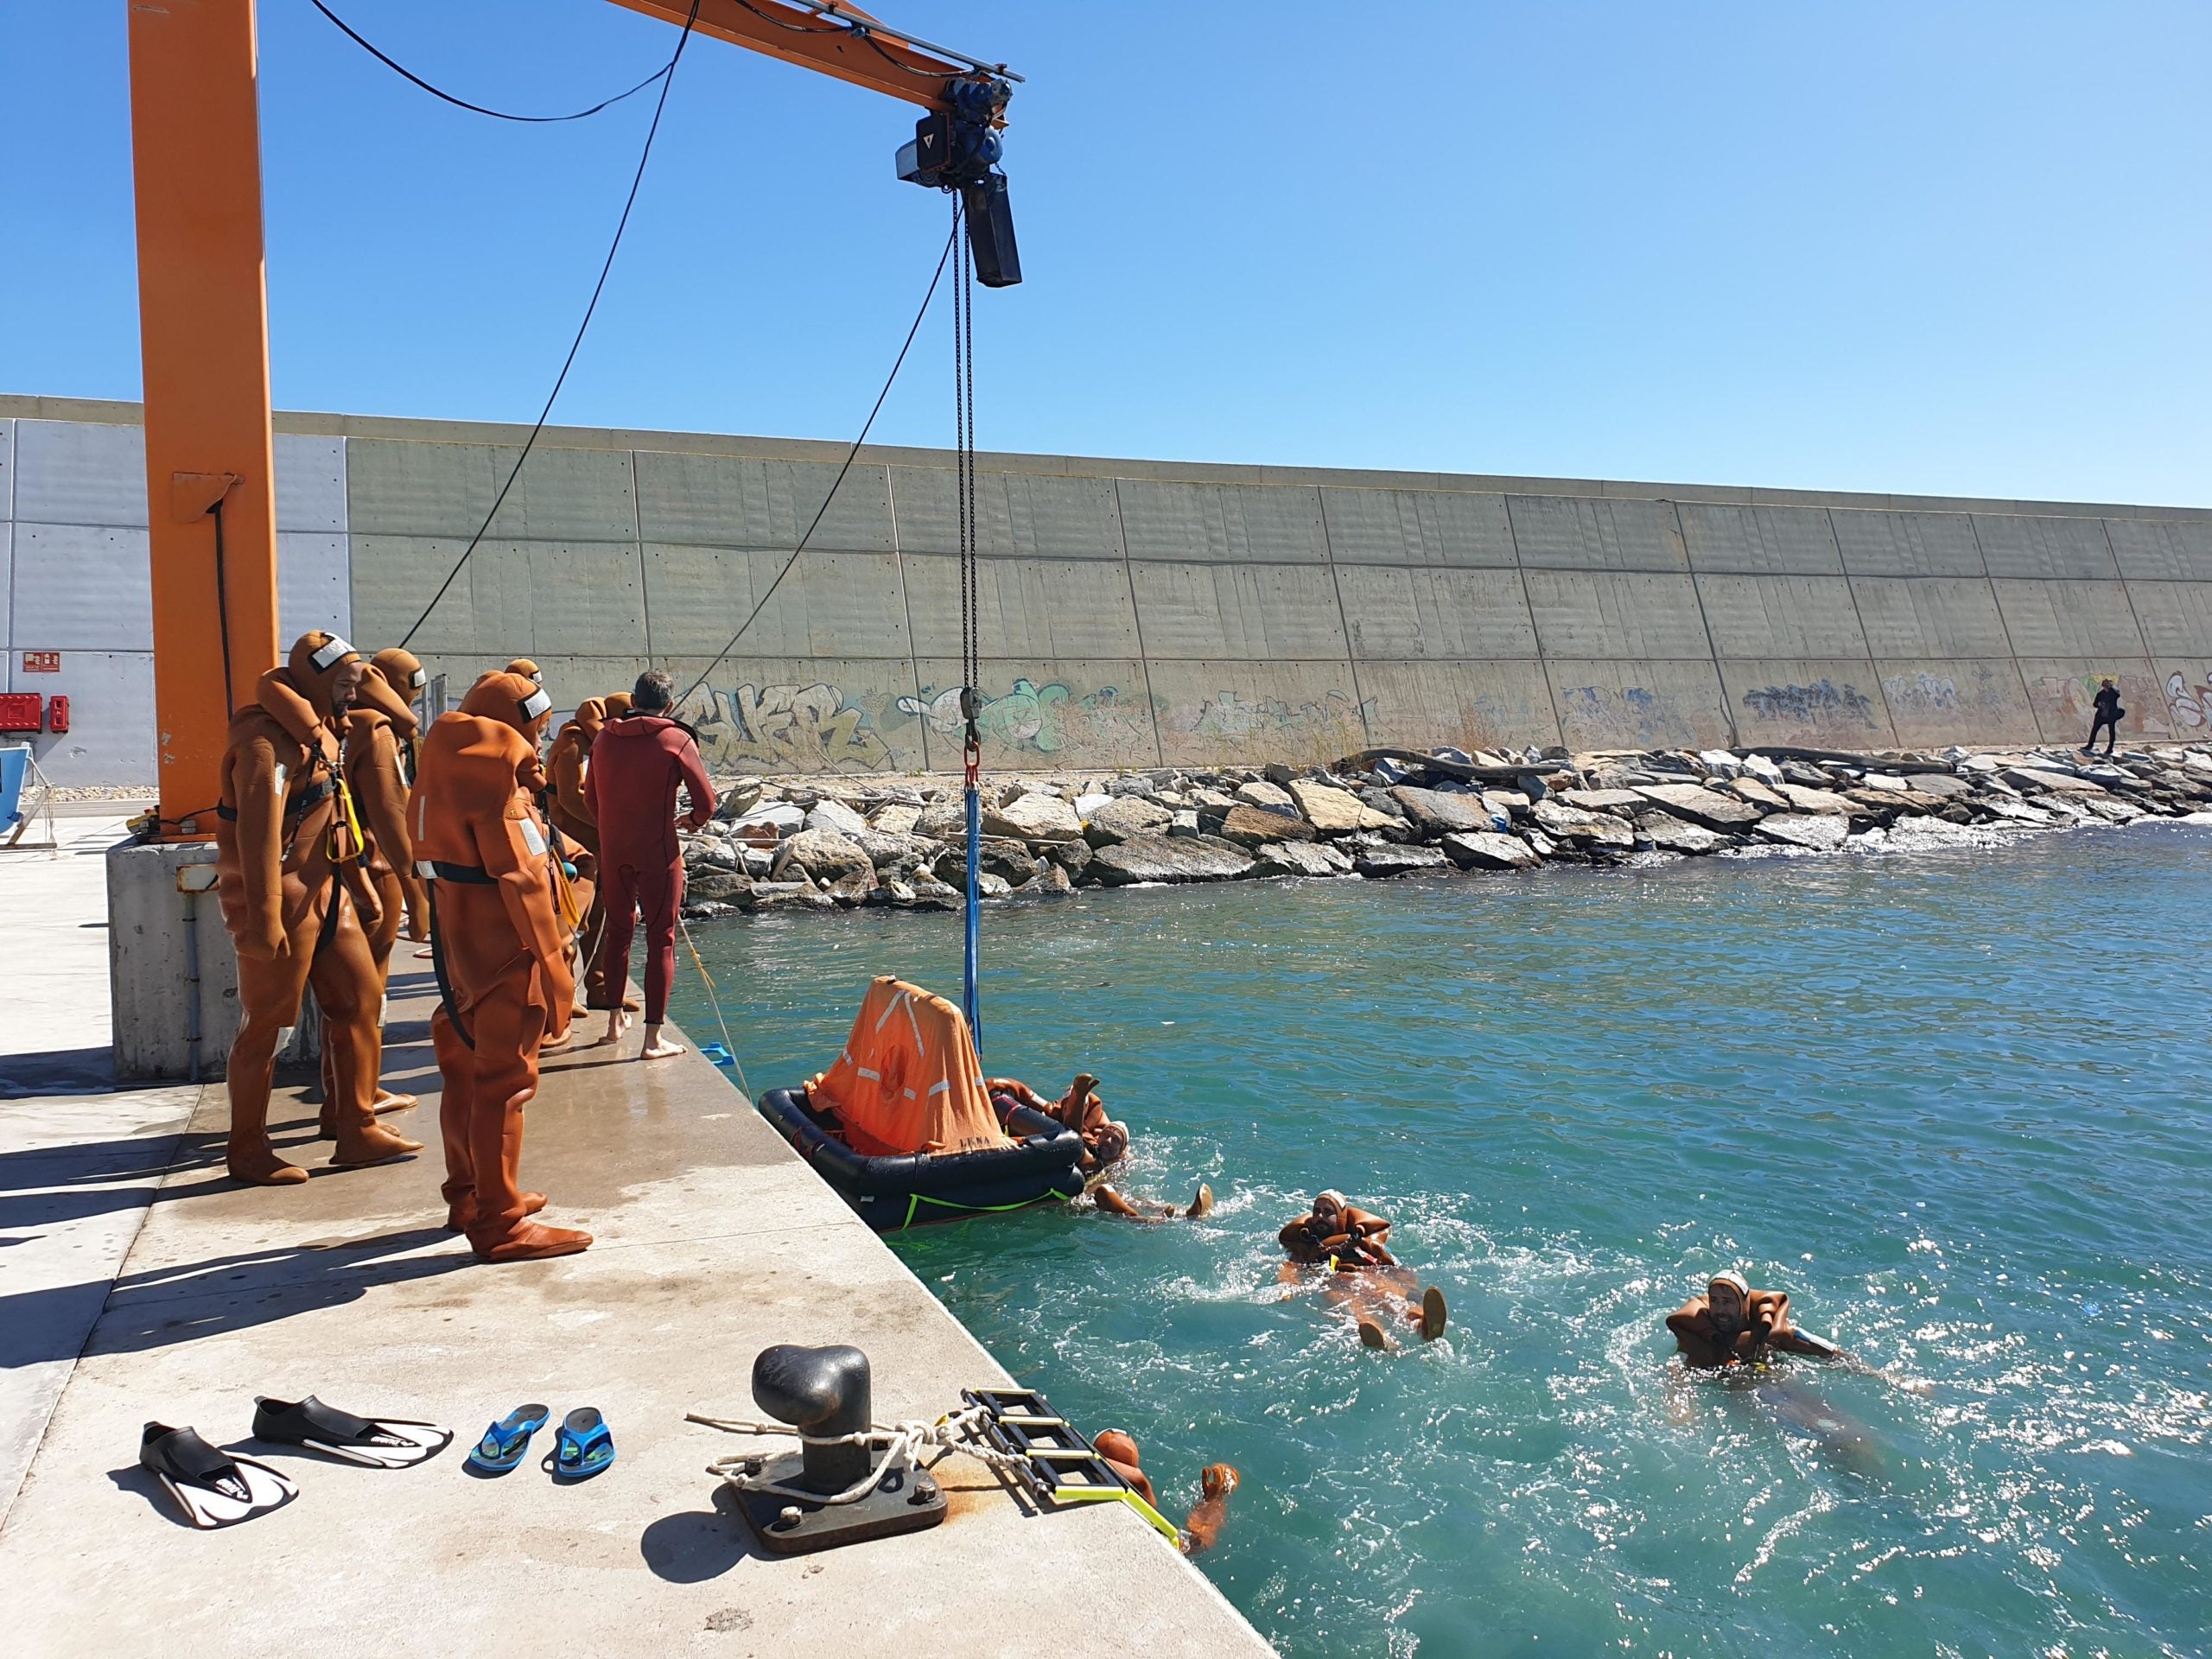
{"x": 827, "y": 843}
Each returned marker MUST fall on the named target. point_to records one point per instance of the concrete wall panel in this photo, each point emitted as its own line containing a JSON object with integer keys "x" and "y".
{"x": 1935, "y": 703}
{"x": 310, "y": 484}
{"x": 110, "y": 735}
{"x": 2153, "y": 550}
{"x": 733, "y": 501}
{"x": 1638, "y": 705}
{"x": 832, "y": 604}
{"x": 315, "y": 587}
{"x": 419, "y": 489}
{"x": 75, "y": 472}
{"x": 1595, "y": 614}
{"x": 1166, "y": 520}
{"x": 1580, "y": 533}
{"x": 569, "y": 679}
{"x": 2069, "y": 619}
{"x": 1470, "y": 705}
{"x": 1238, "y": 612}
{"x": 393, "y": 579}
{"x": 2014, "y": 544}
{"x": 1040, "y": 714}
{"x": 586, "y": 598}
{"x": 1028, "y": 609}
{"x": 1455, "y": 527}
{"x": 1209, "y": 713}
{"x": 1835, "y": 702}
{"x": 811, "y": 714}
{"x": 2176, "y": 616}
{"x": 1764, "y": 541}
{"x": 570, "y": 495}
{"x": 1929, "y": 616}
{"x": 1395, "y": 612}
{"x": 2062, "y": 692}
{"x": 7, "y": 604}
{"x": 7, "y": 471}
{"x": 1781, "y": 616}
{"x": 1025, "y": 515}
{"x": 81, "y": 587}
{"x": 2184, "y": 689}
{"x": 1906, "y": 543}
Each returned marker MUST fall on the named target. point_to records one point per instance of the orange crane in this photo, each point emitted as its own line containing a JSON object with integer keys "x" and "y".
{"x": 203, "y": 314}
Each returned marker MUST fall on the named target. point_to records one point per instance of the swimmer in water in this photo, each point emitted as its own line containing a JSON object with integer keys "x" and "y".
{"x": 1202, "y": 1528}
{"x": 1733, "y": 1324}
{"x": 1105, "y": 1139}
{"x": 1353, "y": 1245}
{"x": 1113, "y": 1203}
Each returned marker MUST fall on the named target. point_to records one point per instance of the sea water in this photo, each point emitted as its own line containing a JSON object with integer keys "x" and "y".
{"x": 1954, "y": 1102}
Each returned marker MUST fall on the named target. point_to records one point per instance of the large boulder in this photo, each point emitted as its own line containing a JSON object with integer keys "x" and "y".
{"x": 777, "y": 818}
{"x": 824, "y": 855}
{"x": 1384, "y": 858}
{"x": 1815, "y": 832}
{"x": 1487, "y": 850}
{"x": 897, "y": 857}
{"x": 2050, "y": 783}
{"x": 1758, "y": 793}
{"x": 1127, "y": 816}
{"x": 1036, "y": 817}
{"x": 1673, "y": 835}
{"x": 898, "y": 818}
{"x": 837, "y": 817}
{"x": 1804, "y": 799}
{"x": 1256, "y": 826}
{"x": 1439, "y": 812}
{"x": 1073, "y": 856}
{"x": 716, "y": 887}
{"x": 1564, "y": 823}
{"x": 1709, "y": 809}
{"x": 1262, "y": 793}
{"x": 944, "y": 821}
{"x": 1301, "y": 858}
{"x": 1947, "y": 784}
{"x": 1602, "y": 800}
{"x": 735, "y": 797}
{"x": 1153, "y": 857}
{"x": 1334, "y": 811}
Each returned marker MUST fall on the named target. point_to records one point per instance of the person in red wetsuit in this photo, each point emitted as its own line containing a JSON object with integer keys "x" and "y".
{"x": 637, "y": 761}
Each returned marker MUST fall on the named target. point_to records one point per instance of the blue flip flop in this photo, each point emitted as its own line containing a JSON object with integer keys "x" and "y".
{"x": 581, "y": 1446}
{"x": 504, "y": 1442}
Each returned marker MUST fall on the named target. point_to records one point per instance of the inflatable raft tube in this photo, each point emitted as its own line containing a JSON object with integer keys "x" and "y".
{"x": 1043, "y": 1165}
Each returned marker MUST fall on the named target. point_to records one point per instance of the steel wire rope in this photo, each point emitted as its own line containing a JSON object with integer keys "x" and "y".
{"x": 401, "y": 70}
{"x": 851, "y": 455}
{"x": 668, "y": 81}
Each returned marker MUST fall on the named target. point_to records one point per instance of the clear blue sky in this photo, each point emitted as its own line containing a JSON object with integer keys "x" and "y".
{"x": 1941, "y": 248}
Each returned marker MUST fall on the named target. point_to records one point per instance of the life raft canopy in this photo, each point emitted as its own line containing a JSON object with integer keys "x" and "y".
{"x": 909, "y": 1079}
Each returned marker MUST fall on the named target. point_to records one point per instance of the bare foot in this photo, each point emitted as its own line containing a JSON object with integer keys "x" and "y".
{"x": 1372, "y": 1335}
{"x": 1202, "y": 1204}
{"x": 617, "y": 1023}
{"x": 658, "y": 1048}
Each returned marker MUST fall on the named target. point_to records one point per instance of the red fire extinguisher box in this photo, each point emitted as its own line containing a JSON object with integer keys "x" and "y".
{"x": 19, "y": 711}
{"x": 57, "y": 714}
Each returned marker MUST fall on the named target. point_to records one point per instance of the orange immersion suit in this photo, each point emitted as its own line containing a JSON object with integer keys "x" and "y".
{"x": 570, "y": 811}
{"x": 498, "y": 947}
{"x": 297, "y": 904}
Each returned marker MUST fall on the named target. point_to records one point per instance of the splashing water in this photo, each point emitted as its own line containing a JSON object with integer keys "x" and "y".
{"x": 1955, "y": 1102}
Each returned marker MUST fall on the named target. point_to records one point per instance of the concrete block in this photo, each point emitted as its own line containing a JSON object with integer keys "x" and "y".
{"x": 1597, "y": 615}
{"x": 2062, "y": 693}
{"x": 315, "y": 585}
{"x": 570, "y": 495}
{"x": 1936, "y": 702}
{"x": 393, "y": 578}
{"x": 2017, "y": 545}
{"x": 2175, "y": 616}
{"x": 1763, "y": 541}
{"x": 77, "y": 472}
{"x": 1470, "y": 705}
{"x": 438, "y": 490}
{"x": 111, "y": 736}
{"x": 733, "y": 501}
{"x": 2154, "y": 549}
{"x": 1782, "y": 616}
{"x": 172, "y": 973}
{"x": 840, "y": 604}
{"x": 1906, "y": 543}
{"x": 1401, "y": 612}
{"x": 1023, "y": 514}
{"x": 1040, "y": 714}
{"x": 1423, "y": 527}
{"x": 1217, "y": 711}
{"x": 7, "y": 470}
{"x": 1163, "y": 520}
{"x": 1259, "y": 612}
{"x": 1929, "y": 616}
{"x": 1028, "y": 609}
{"x": 1639, "y": 705}
{"x": 82, "y": 587}
{"x": 1833, "y": 703}
{"x": 310, "y": 484}
{"x": 804, "y": 713}
{"x": 1585, "y": 533}
{"x": 2069, "y": 619}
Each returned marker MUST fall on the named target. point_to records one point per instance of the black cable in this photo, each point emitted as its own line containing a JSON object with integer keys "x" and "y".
{"x": 223, "y": 603}
{"x": 396, "y": 67}
{"x": 851, "y": 454}
{"x": 667, "y": 79}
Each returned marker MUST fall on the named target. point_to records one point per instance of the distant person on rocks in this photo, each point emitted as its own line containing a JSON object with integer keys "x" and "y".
{"x": 2108, "y": 717}
{"x": 638, "y": 760}
{"x": 1733, "y": 1324}
{"x": 1352, "y": 1245}
{"x": 1202, "y": 1531}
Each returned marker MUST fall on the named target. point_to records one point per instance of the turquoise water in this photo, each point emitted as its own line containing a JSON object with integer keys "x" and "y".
{"x": 1956, "y": 1102}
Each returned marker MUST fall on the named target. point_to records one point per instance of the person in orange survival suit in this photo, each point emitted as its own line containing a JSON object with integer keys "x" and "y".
{"x": 1733, "y": 1324}
{"x": 570, "y": 811}
{"x": 499, "y": 947}
{"x": 527, "y": 669}
{"x": 297, "y": 903}
{"x": 636, "y": 764}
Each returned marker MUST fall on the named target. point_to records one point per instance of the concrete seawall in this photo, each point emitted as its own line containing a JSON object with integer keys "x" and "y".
{"x": 1138, "y": 613}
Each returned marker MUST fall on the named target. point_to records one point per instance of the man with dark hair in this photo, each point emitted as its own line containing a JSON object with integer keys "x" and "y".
{"x": 2108, "y": 713}
{"x": 637, "y": 761}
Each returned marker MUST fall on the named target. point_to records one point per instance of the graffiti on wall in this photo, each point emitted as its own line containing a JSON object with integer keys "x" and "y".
{"x": 1029, "y": 716}
{"x": 1229, "y": 718}
{"x": 2073, "y": 698}
{"x": 2189, "y": 705}
{"x": 789, "y": 728}
{"x": 1598, "y": 712}
{"x": 1921, "y": 694}
{"x": 1825, "y": 705}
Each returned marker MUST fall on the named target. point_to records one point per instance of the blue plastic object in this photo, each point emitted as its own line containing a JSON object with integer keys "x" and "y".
{"x": 720, "y": 1055}
{"x": 971, "y": 1002}
{"x": 14, "y": 767}
{"x": 581, "y": 1446}
{"x": 505, "y": 1441}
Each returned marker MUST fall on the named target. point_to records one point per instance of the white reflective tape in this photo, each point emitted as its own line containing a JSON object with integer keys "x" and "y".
{"x": 282, "y": 774}
{"x": 910, "y": 1094}
{"x": 530, "y": 834}
{"x": 422, "y": 820}
{"x": 873, "y": 1077}
{"x": 419, "y": 678}
{"x": 426, "y": 868}
{"x": 332, "y": 651}
{"x": 941, "y": 1088}
{"x": 536, "y": 705}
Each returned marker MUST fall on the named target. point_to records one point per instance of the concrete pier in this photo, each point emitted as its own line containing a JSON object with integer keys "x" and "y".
{"x": 163, "y": 1291}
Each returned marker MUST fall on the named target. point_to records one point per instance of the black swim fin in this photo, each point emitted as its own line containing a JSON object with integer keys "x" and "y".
{"x": 214, "y": 1488}
{"x": 377, "y": 1442}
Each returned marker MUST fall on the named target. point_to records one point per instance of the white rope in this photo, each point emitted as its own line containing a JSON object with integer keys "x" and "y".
{"x": 899, "y": 1441}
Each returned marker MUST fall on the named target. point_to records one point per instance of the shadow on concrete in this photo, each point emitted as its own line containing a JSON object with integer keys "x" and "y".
{"x": 699, "y": 1544}
{"x": 167, "y": 1305}
{"x": 62, "y": 1071}
{"x": 138, "y": 1478}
